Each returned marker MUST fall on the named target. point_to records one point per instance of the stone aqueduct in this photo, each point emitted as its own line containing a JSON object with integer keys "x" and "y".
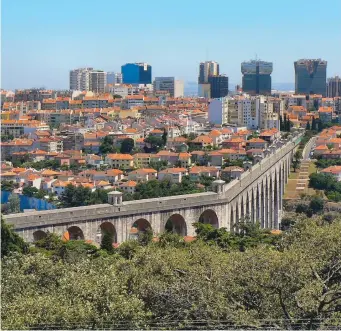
{"x": 256, "y": 195}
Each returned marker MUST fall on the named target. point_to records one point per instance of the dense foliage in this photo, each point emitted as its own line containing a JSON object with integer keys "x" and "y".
{"x": 293, "y": 282}
{"x": 127, "y": 145}
{"x": 82, "y": 196}
{"x": 10, "y": 241}
{"x": 327, "y": 183}
{"x": 156, "y": 188}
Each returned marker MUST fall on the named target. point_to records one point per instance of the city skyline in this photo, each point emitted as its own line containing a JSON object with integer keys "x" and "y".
{"x": 26, "y": 64}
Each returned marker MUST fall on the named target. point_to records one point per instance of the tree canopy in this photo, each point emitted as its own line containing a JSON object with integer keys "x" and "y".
{"x": 293, "y": 282}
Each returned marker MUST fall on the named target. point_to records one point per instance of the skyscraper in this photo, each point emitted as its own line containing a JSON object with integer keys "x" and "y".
{"x": 206, "y": 69}
{"x": 219, "y": 86}
{"x": 80, "y": 79}
{"x": 136, "y": 73}
{"x": 310, "y": 76}
{"x": 256, "y": 77}
{"x": 98, "y": 81}
{"x": 171, "y": 85}
{"x": 334, "y": 87}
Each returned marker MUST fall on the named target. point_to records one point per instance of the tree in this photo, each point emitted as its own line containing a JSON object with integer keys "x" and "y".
{"x": 313, "y": 124}
{"x": 308, "y": 126}
{"x": 164, "y": 136}
{"x": 155, "y": 142}
{"x": 330, "y": 146}
{"x": 107, "y": 145}
{"x": 14, "y": 204}
{"x": 297, "y": 160}
{"x": 319, "y": 125}
{"x": 11, "y": 241}
{"x": 7, "y": 185}
{"x": 106, "y": 243}
{"x": 316, "y": 204}
{"x": 30, "y": 191}
{"x": 158, "y": 165}
{"x": 281, "y": 127}
{"x": 127, "y": 145}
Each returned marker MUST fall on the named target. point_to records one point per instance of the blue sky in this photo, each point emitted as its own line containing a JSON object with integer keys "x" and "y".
{"x": 43, "y": 40}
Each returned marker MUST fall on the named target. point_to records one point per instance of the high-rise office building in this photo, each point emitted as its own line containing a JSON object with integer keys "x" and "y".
{"x": 310, "y": 76}
{"x": 98, "y": 81}
{"x": 169, "y": 84}
{"x": 334, "y": 87}
{"x": 206, "y": 69}
{"x": 114, "y": 78}
{"x": 219, "y": 86}
{"x": 80, "y": 79}
{"x": 136, "y": 73}
{"x": 256, "y": 77}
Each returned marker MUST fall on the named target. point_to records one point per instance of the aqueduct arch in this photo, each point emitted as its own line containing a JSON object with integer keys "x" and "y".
{"x": 38, "y": 235}
{"x": 75, "y": 233}
{"x": 209, "y": 216}
{"x": 176, "y": 224}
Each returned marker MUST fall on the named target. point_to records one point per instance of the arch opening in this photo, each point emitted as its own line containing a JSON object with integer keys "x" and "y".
{"x": 141, "y": 225}
{"x": 109, "y": 229}
{"x": 176, "y": 224}
{"x": 38, "y": 235}
{"x": 75, "y": 233}
{"x": 209, "y": 216}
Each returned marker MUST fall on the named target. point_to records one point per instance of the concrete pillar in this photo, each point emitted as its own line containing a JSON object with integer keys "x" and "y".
{"x": 266, "y": 206}
{"x": 271, "y": 203}
{"x": 277, "y": 200}
{"x": 255, "y": 205}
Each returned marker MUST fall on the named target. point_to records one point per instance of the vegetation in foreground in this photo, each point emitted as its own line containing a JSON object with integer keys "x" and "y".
{"x": 220, "y": 281}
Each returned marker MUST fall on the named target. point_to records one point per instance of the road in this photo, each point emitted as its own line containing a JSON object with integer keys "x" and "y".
{"x": 308, "y": 148}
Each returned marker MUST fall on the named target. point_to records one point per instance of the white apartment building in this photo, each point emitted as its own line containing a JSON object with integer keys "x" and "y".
{"x": 268, "y": 118}
{"x": 218, "y": 111}
{"x": 169, "y": 84}
{"x": 251, "y": 112}
{"x": 80, "y": 79}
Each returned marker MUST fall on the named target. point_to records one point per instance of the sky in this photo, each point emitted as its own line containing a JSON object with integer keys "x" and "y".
{"x": 42, "y": 40}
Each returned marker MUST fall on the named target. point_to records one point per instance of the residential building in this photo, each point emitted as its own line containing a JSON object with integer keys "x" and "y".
{"x": 129, "y": 186}
{"x": 114, "y": 78}
{"x": 334, "y": 171}
{"x": 326, "y": 114}
{"x": 256, "y": 143}
{"x": 136, "y": 73}
{"x": 231, "y": 172}
{"x": 219, "y": 85}
{"x": 310, "y": 76}
{"x": 175, "y": 175}
{"x": 171, "y": 85}
{"x": 257, "y": 77}
{"x": 334, "y": 87}
{"x": 125, "y": 161}
{"x": 80, "y": 79}
{"x": 142, "y": 175}
{"x": 218, "y": 111}
{"x": 197, "y": 171}
{"x": 98, "y": 81}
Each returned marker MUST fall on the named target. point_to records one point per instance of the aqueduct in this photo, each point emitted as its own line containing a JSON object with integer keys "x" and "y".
{"x": 257, "y": 195}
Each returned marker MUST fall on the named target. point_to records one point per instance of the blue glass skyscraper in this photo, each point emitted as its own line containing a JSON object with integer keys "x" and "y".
{"x": 136, "y": 73}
